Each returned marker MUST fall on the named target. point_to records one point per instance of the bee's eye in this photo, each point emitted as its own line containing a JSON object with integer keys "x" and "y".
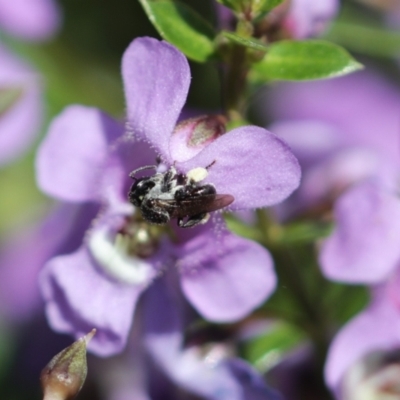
{"x": 142, "y": 185}
{"x": 146, "y": 185}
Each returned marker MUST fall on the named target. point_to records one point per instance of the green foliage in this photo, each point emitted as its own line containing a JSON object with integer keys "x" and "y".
{"x": 304, "y": 60}
{"x": 247, "y": 42}
{"x": 8, "y": 97}
{"x": 20, "y": 198}
{"x": 183, "y": 27}
{"x": 256, "y": 6}
{"x": 71, "y": 78}
{"x": 266, "y": 350}
{"x": 263, "y": 6}
{"x": 232, "y": 4}
{"x": 365, "y": 33}
{"x": 373, "y": 41}
{"x": 304, "y": 231}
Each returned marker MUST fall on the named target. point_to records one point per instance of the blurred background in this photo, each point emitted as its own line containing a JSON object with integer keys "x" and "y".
{"x": 80, "y": 63}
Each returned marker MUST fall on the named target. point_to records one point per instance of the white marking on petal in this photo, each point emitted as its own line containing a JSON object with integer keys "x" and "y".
{"x": 113, "y": 257}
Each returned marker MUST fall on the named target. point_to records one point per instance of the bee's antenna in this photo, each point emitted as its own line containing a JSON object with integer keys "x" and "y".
{"x": 210, "y": 165}
{"x": 134, "y": 172}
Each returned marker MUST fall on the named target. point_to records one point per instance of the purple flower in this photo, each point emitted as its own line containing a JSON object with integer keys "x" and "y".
{"x": 210, "y": 373}
{"x": 307, "y": 18}
{"x": 29, "y": 19}
{"x": 364, "y": 246}
{"x": 357, "y": 150}
{"x": 297, "y": 19}
{"x": 352, "y": 125}
{"x": 21, "y": 109}
{"x": 24, "y": 253}
{"x": 87, "y": 158}
{"x": 159, "y": 363}
{"x": 161, "y": 75}
{"x": 342, "y": 130}
{"x": 363, "y": 360}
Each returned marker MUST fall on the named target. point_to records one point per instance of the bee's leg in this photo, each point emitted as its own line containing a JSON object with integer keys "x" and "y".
{"x": 194, "y": 220}
{"x": 155, "y": 217}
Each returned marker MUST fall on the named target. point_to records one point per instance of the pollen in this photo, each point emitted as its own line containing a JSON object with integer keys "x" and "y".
{"x": 197, "y": 174}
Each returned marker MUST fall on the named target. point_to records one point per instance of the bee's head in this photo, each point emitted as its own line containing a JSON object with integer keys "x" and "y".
{"x": 140, "y": 188}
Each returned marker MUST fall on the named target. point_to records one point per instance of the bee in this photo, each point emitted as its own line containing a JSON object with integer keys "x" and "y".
{"x": 167, "y": 195}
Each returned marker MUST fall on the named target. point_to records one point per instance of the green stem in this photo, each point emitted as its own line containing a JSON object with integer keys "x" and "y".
{"x": 235, "y": 82}
{"x": 293, "y": 264}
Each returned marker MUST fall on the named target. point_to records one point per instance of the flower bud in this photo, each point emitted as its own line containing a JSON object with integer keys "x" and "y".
{"x": 192, "y": 135}
{"x": 64, "y": 375}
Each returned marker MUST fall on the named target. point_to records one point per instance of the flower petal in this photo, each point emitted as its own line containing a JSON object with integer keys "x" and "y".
{"x": 364, "y": 247}
{"x": 79, "y": 298}
{"x": 29, "y": 19}
{"x": 347, "y": 167}
{"x": 21, "y": 121}
{"x": 224, "y": 276}
{"x": 156, "y": 79}
{"x": 253, "y": 386}
{"x": 23, "y": 256}
{"x": 376, "y": 328}
{"x": 311, "y": 140}
{"x": 185, "y": 367}
{"x": 309, "y": 18}
{"x": 72, "y": 157}
{"x": 363, "y": 108}
{"x": 252, "y": 164}
{"x": 212, "y": 375}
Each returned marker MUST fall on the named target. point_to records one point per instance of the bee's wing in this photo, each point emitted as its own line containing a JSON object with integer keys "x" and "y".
{"x": 196, "y": 205}
{"x": 220, "y": 201}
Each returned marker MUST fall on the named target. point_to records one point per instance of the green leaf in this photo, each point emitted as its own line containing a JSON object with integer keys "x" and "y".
{"x": 232, "y": 4}
{"x": 241, "y": 228}
{"x": 363, "y": 33}
{"x": 373, "y": 41}
{"x": 265, "y": 5}
{"x": 304, "y": 60}
{"x": 266, "y": 350}
{"x": 348, "y": 300}
{"x": 247, "y": 42}
{"x": 257, "y": 6}
{"x": 183, "y": 27}
{"x": 305, "y": 231}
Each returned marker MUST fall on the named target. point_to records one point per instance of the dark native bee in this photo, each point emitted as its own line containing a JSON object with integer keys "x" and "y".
{"x": 168, "y": 195}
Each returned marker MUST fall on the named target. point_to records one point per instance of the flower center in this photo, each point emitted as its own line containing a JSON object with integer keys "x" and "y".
{"x": 125, "y": 255}
{"x": 139, "y": 238}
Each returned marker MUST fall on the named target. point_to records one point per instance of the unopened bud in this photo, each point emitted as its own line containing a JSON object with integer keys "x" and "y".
{"x": 192, "y": 135}
{"x": 64, "y": 375}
